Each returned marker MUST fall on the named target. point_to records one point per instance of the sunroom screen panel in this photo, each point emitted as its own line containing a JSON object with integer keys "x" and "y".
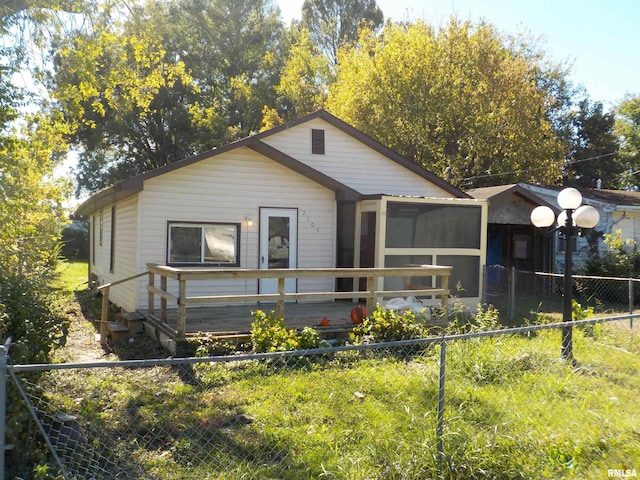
{"x": 415, "y": 225}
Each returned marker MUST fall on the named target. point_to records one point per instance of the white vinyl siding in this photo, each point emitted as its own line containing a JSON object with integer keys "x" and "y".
{"x": 101, "y": 244}
{"x": 629, "y": 226}
{"x": 125, "y": 260}
{"x": 352, "y": 163}
{"x": 228, "y": 188}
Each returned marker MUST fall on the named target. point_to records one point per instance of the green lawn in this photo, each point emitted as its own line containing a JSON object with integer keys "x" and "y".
{"x": 73, "y": 276}
{"x": 513, "y": 410}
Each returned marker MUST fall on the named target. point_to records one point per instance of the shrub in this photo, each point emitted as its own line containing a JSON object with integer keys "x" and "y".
{"x": 308, "y": 339}
{"x": 388, "y": 325}
{"x": 622, "y": 260}
{"x": 269, "y": 334}
{"x": 207, "y": 345}
{"x": 36, "y": 326}
{"x": 75, "y": 241}
{"x": 487, "y": 317}
{"x": 32, "y": 318}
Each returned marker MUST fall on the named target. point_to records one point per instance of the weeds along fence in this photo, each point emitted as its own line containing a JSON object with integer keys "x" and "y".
{"x": 437, "y": 407}
{"x": 519, "y": 294}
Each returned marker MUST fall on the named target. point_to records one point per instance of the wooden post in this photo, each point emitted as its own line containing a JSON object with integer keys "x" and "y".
{"x": 182, "y": 308}
{"x": 281, "y": 292}
{"x": 150, "y": 296}
{"x": 444, "y": 298}
{"x": 371, "y": 296}
{"x": 163, "y": 300}
{"x": 104, "y": 314}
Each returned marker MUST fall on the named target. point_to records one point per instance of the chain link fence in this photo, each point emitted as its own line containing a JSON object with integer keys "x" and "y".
{"x": 522, "y": 294}
{"x": 477, "y": 404}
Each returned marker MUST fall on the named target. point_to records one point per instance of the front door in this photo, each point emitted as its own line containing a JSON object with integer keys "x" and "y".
{"x": 278, "y": 245}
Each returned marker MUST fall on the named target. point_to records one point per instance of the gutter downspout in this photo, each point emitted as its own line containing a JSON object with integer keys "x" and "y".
{"x": 624, "y": 215}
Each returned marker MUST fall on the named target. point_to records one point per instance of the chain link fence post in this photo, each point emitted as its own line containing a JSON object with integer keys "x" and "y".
{"x": 512, "y": 294}
{"x": 3, "y": 407}
{"x": 631, "y": 303}
{"x": 441, "y": 398}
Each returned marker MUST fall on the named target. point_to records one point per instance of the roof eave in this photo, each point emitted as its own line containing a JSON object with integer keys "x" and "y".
{"x": 108, "y": 196}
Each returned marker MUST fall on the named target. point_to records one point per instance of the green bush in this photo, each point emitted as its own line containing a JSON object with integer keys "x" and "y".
{"x": 622, "y": 260}
{"x": 209, "y": 346}
{"x": 32, "y": 318}
{"x": 75, "y": 241}
{"x": 33, "y": 325}
{"x": 387, "y": 326}
{"x": 487, "y": 317}
{"x": 268, "y": 334}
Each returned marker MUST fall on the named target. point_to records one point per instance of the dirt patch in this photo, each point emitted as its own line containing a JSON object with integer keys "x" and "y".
{"x": 83, "y": 341}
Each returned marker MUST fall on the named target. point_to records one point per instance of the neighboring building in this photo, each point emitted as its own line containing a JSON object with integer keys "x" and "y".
{"x": 312, "y": 193}
{"x": 512, "y": 240}
{"x": 618, "y": 209}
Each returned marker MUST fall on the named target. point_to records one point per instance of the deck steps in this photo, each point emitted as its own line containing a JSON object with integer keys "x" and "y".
{"x": 117, "y": 331}
{"x": 127, "y": 325}
{"x": 133, "y": 320}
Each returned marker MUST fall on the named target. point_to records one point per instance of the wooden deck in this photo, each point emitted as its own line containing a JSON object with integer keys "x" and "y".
{"x": 237, "y": 319}
{"x": 182, "y": 315}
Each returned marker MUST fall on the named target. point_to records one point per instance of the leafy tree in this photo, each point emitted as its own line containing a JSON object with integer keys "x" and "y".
{"x": 593, "y": 147}
{"x": 164, "y": 81}
{"x": 125, "y": 103}
{"x": 304, "y": 82}
{"x": 31, "y": 217}
{"x": 461, "y": 100}
{"x": 31, "y": 210}
{"x": 234, "y": 50}
{"x": 627, "y": 128}
{"x": 334, "y": 23}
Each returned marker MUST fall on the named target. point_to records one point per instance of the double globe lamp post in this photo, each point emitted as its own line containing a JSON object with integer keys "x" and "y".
{"x": 572, "y": 221}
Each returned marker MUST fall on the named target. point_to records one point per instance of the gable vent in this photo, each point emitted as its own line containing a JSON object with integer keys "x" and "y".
{"x": 317, "y": 141}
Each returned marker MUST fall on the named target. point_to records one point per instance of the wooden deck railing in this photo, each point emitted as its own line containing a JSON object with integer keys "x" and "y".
{"x": 104, "y": 314}
{"x": 372, "y": 294}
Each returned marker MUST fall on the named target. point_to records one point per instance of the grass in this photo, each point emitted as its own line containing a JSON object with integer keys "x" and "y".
{"x": 513, "y": 410}
{"x": 72, "y": 276}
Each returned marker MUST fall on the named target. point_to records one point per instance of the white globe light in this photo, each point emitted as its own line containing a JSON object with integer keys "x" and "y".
{"x": 562, "y": 218}
{"x": 542, "y": 216}
{"x": 569, "y": 199}
{"x": 586, "y": 217}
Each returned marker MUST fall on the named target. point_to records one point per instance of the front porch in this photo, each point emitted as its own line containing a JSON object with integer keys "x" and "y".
{"x": 173, "y": 314}
{"x": 234, "y": 321}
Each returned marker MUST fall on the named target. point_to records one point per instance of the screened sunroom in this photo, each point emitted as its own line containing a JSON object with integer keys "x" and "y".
{"x": 394, "y": 231}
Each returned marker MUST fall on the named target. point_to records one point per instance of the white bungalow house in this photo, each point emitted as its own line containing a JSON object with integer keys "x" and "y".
{"x": 306, "y": 194}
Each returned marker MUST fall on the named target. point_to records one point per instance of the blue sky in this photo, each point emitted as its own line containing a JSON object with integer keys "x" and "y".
{"x": 599, "y": 38}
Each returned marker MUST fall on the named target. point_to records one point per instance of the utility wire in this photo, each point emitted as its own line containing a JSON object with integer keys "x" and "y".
{"x": 489, "y": 175}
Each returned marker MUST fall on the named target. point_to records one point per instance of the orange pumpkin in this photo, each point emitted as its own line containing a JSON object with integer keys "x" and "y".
{"x": 358, "y": 313}
{"x": 324, "y": 322}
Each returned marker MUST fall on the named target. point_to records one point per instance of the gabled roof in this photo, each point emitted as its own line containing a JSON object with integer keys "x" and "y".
{"x": 374, "y": 145}
{"x": 618, "y": 198}
{"x": 131, "y": 186}
{"x": 501, "y": 191}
